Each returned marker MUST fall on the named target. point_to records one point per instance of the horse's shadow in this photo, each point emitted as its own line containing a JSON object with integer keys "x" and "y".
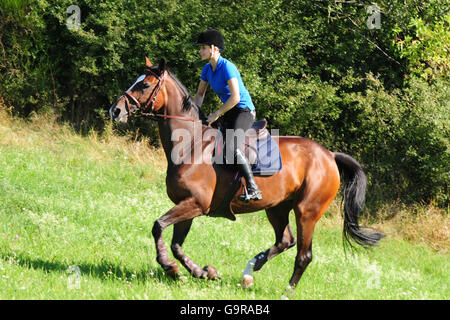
{"x": 104, "y": 270}
{"x": 107, "y": 271}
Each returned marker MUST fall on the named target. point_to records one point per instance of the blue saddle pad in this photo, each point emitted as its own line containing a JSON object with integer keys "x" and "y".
{"x": 268, "y": 160}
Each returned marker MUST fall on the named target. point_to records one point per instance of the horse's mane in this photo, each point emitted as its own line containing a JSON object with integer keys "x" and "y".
{"x": 188, "y": 102}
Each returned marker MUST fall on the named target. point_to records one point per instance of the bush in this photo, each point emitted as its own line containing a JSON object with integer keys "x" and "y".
{"x": 402, "y": 138}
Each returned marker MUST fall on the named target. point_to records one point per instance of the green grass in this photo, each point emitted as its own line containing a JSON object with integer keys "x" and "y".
{"x": 90, "y": 202}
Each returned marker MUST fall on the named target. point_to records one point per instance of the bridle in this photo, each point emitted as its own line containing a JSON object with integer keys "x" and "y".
{"x": 146, "y": 109}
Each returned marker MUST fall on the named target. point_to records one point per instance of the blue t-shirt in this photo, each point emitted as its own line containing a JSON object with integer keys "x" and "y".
{"x": 224, "y": 71}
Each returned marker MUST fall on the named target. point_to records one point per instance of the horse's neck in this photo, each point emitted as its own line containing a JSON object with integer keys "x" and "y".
{"x": 171, "y": 130}
{"x": 175, "y": 99}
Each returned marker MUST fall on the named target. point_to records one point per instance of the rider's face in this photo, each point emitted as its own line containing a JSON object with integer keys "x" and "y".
{"x": 205, "y": 52}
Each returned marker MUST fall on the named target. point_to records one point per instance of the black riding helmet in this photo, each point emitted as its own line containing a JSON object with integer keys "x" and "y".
{"x": 211, "y": 37}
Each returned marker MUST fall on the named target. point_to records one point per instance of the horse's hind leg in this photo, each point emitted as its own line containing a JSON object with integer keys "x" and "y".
{"x": 311, "y": 203}
{"x": 180, "y": 231}
{"x": 307, "y": 213}
{"x": 185, "y": 210}
{"x": 284, "y": 239}
{"x": 306, "y": 221}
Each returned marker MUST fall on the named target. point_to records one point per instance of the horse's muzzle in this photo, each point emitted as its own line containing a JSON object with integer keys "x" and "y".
{"x": 115, "y": 113}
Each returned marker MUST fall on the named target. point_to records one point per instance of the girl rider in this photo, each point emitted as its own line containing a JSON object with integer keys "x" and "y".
{"x": 238, "y": 111}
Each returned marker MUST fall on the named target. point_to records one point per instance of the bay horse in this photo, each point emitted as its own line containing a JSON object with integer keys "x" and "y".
{"x": 307, "y": 183}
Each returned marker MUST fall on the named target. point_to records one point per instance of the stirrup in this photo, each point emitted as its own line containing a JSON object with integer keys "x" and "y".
{"x": 246, "y": 197}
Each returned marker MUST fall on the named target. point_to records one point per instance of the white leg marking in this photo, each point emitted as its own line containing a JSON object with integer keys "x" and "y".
{"x": 247, "y": 278}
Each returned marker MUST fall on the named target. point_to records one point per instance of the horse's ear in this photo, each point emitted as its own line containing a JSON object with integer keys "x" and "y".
{"x": 148, "y": 63}
{"x": 162, "y": 65}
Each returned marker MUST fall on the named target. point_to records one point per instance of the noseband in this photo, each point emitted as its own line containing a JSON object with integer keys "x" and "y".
{"x": 147, "y": 107}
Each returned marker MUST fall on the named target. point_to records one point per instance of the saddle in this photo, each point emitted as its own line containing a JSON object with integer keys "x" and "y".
{"x": 259, "y": 132}
{"x": 260, "y": 128}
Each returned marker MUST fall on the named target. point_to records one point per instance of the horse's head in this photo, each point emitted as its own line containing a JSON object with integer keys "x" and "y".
{"x": 143, "y": 94}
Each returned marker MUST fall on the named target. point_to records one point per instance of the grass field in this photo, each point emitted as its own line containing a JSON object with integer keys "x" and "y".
{"x": 75, "y": 223}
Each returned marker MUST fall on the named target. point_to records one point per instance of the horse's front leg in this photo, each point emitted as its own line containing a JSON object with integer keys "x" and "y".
{"x": 180, "y": 231}
{"x": 185, "y": 210}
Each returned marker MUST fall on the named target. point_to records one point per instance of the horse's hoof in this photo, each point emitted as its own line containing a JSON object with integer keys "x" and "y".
{"x": 247, "y": 281}
{"x": 172, "y": 270}
{"x": 211, "y": 273}
{"x": 288, "y": 293}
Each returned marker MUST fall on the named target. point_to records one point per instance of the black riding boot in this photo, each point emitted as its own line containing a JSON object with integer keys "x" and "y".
{"x": 246, "y": 171}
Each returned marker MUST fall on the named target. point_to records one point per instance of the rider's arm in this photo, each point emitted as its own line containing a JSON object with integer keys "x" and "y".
{"x": 234, "y": 98}
{"x": 203, "y": 85}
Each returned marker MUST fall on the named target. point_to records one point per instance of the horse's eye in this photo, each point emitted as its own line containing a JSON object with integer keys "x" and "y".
{"x": 143, "y": 86}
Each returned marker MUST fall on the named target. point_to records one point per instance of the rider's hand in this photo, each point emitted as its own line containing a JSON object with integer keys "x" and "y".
{"x": 212, "y": 118}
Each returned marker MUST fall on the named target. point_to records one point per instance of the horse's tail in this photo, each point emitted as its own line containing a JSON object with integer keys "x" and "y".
{"x": 354, "y": 196}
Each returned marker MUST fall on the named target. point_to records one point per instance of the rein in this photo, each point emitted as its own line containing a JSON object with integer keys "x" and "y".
{"x": 151, "y": 100}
